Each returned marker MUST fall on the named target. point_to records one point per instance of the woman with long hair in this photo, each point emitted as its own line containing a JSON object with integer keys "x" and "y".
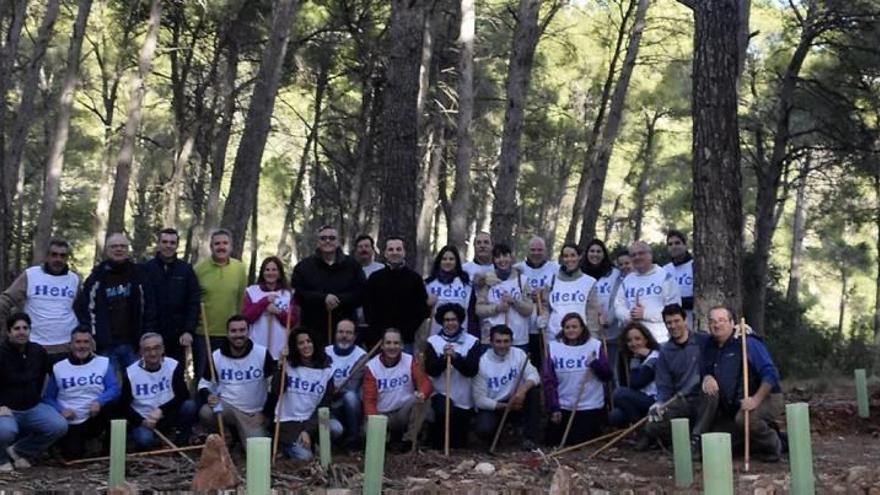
{"x": 597, "y": 264}
{"x": 267, "y": 306}
{"x": 448, "y": 283}
{"x": 639, "y": 354}
{"x": 574, "y": 373}
{"x": 308, "y": 386}
{"x": 570, "y": 291}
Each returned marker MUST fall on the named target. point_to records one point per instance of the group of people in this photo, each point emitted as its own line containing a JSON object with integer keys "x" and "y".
{"x": 605, "y": 340}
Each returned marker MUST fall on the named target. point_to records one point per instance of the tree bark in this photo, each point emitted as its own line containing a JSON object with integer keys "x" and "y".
{"x": 580, "y": 199}
{"x": 399, "y": 148}
{"x": 246, "y": 170}
{"x": 877, "y": 279}
{"x": 769, "y": 173}
{"x": 125, "y": 158}
{"x": 717, "y": 180}
{"x": 430, "y": 195}
{"x": 60, "y": 133}
{"x": 461, "y": 195}
{"x": 599, "y": 168}
{"x": 645, "y": 173}
{"x": 797, "y": 235}
{"x": 526, "y": 35}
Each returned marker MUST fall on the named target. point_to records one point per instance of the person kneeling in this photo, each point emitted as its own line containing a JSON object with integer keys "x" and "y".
{"x": 308, "y": 385}
{"x": 639, "y": 392}
{"x": 156, "y": 395}
{"x": 462, "y": 351}
{"x": 396, "y": 386}
{"x": 82, "y": 388}
{"x": 498, "y": 386}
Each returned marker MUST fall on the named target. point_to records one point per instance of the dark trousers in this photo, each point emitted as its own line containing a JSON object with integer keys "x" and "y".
{"x": 528, "y": 418}
{"x": 459, "y": 423}
{"x": 629, "y": 406}
{"x": 696, "y": 408}
{"x": 73, "y": 444}
{"x": 587, "y": 424}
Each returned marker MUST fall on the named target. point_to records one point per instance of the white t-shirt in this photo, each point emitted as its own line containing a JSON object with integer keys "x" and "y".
{"x": 683, "y": 275}
{"x": 241, "y": 381}
{"x": 570, "y": 363}
{"x": 461, "y": 385}
{"x": 79, "y": 385}
{"x": 567, "y": 296}
{"x": 473, "y": 269}
{"x": 395, "y": 385}
{"x": 518, "y": 323}
{"x": 341, "y": 365}
{"x": 304, "y": 388}
{"x": 456, "y": 292}
{"x": 151, "y": 389}
{"x": 653, "y": 290}
{"x": 268, "y": 323}
{"x": 49, "y": 303}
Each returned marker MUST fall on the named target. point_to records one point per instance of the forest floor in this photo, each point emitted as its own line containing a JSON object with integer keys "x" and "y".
{"x": 846, "y": 453}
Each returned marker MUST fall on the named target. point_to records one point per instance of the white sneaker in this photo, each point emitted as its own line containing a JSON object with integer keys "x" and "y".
{"x": 18, "y": 461}
{"x": 6, "y": 467}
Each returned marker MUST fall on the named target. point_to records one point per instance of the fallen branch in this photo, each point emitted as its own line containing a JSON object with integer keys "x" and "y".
{"x": 136, "y": 454}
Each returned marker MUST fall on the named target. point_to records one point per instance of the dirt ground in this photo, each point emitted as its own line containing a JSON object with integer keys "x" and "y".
{"x": 846, "y": 460}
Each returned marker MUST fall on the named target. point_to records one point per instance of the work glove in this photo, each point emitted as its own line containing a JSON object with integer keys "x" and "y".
{"x": 655, "y": 413}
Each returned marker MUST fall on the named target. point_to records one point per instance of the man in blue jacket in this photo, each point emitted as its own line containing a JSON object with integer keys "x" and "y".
{"x": 722, "y": 370}
{"x": 116, "y": 304}
{"x": 177, "y": 294}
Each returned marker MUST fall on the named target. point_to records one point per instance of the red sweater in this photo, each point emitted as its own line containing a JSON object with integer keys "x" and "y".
{"x": 371, "y": 391}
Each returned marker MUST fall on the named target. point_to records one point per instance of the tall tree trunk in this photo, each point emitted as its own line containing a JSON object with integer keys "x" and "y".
{"x": 255, "y": 240}
{"x": 526, "y": 35}
{"x": 363, "y": 155}
{"x": 125, "y": 158}
{"x": 580, "y": 200}
{"x": 717, "y": 180}
{"x": 647, "y": 166}
{"x": 430, "y": 195}
{"x": 461, "y": 195}
{"x": 599, "y": 169}
{"x": 877, "y": 279}
{"x": 798, "y": 233}
{"x": 770, "y": 173}
{"x": 399, "y": 148}
{"x": 246, "y": 170}
{"x": 841, "y": 307}
{"x": 24, "y": 115}
{"x": 58, "y": 143}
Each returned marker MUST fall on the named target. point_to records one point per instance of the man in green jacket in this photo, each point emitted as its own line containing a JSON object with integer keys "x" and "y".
{"x": 222, "y": 280}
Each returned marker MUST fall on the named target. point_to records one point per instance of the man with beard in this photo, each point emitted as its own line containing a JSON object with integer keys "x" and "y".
{"x": 395, "y": 297}
{"x": 222, "y": 280}
{"x": 46, "y": 293}
{"x": 344, "y": 357}
{"x": 240, "y": 395}
{"x": 27, "y": 426}
{"x": 682, "y": 270}
{"x": 177, "y": 294}
{"x": 82, "y": 388}
{"x": 155, "y": 396}
{"x": 327, "y": 285}
{"x": 116, "y": 304}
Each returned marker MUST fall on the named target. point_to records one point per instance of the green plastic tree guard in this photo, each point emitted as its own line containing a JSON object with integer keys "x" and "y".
{"x": 374, "y": 464}
{"x": 800, "y": 449}
{"x": 862, "y": 393}
{"x": 259, "y": 478}
{"x": 681, "y": 446}
{"x": 324, "y": 435}
{"x": 717, "y": 464}
{"x": 117, "y": 452}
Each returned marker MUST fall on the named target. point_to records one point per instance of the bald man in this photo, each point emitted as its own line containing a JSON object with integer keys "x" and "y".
{"x": 116, "y": 304}
{"x": 645, "y": 292}
{"x": 538, "y": 274}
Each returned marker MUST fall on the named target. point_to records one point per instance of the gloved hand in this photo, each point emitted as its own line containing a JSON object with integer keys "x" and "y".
{"x": 655, "y": 412}
{"x": 542, "y": 321}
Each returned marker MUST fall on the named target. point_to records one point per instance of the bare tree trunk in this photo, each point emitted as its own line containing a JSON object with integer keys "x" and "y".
{"x": 58, "y": 143}
{"x": 430, "y": 195}
{"x": 580, "y": 200}
{"x": 255, "y": 240}
{"x": 526, "y": 35}
{"x": 645, "y": 173}
{"x": 599, "y": 169}
{"x": 877, "y": 279}
{"x": 246, "y": 170}
{"x": 798, "y": 234}
{"x": 770, "y": 175}
{"x": 363, "y": 156}
{"x": 844, "y": 292}
{"x": 125, "y": 158}
{"x": 718, "y": 218}
{"x": 399, "y": 197}
{"x": 461, "y": 195}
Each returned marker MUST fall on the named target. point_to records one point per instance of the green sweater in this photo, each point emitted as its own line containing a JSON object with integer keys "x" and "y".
{"x": 222, "y": 293}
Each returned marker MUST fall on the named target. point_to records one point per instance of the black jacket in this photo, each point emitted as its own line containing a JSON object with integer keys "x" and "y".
{"x": 92, "y": 310}
{"x": 176, "y": 295}
{"x": 22, "y": 375}
{"x": 313, "y": 279}
{"x": 396, "y": 298}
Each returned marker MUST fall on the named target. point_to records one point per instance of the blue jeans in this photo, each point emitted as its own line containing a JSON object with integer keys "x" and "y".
{"x": 300, "y": 452}
{"x": 629, "y": 406}
{"x": 121, "y": 356}
{"x": 144, "y": 438}
{"x": 35, "y": 429}
{"x": 349, "y": 411}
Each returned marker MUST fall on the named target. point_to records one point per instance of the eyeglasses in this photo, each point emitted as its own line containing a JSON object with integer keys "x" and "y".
{"x": 327, "y": 238}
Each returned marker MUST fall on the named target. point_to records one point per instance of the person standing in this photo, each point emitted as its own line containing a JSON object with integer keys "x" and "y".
{"x": 682, "y": 270}
{"x": 539, "y": 273}
{"x": 46, "y": 293}
{"x": 597, "y": 264}
{"x": 502, "y": 299}
{"x": 365, "y": 254}
{"x": 328, "y": 286}
{"x": 482, "y": 261}
{"x": 269, "y": 308}
{"x": 571, "y": 291}
{"x": 177, "y": 295}
{"x": 449, "y": 283}
{"x": 645, "y": 292}
{"x": 28, "y": 426}
{"x": 395, "y": 297}
{"x": 116, "y": 303}
{"x": 222, "y": 280}
{"x": 82, "y": 388}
